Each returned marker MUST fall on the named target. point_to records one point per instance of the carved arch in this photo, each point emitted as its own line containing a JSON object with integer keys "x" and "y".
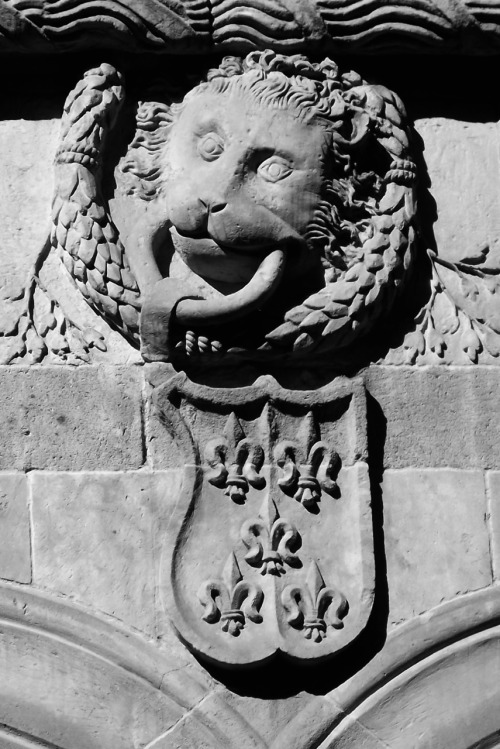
{"x": 435, "y": 683}
{"x": 71, "y": 679}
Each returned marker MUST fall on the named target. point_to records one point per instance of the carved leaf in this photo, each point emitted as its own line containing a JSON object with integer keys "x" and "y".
{"x": 477, "y": 295}
{"x": 249, "y": 597}
{"x": 233, "y": 431}
{"x": 231, "y": 574}
{"x": 314, "y": 581}
{"x": 292, "y": 601}
{"x": 207, "y": 595}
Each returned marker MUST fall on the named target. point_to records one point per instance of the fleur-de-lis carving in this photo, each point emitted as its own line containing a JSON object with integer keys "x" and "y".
{"x": 313, "y": 606}
{"x": 235, "y": 461}
{"x": 307, "y": 465}
{"x": 230, "y": 599}
{"x": 271, "y": 540}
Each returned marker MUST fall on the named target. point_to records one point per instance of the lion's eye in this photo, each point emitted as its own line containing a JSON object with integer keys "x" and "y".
{"x": 210, "y": 147}
{"x": 274, "y": 169}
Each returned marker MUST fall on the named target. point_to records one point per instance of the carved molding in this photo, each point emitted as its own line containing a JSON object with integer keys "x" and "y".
{"x": 468, "y": 26}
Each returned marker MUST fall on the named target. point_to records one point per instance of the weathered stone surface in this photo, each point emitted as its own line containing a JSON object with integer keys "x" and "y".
{"x": 462, "y": 160}
{"x": 25, "y": 195}
{"x": 71, "y": 697}
{"x": 449, "y": 699}
{"x": 436, "y": 538}
{"x": 26, "y": 191}
{"x": 15, "y": 546}
{"x": 280, "y": 488}
{"x": 75, "y": 679}
{"x": 459, "y": 322}
{"x": 438, "y": 417}
{"x": 97, "y": 537}
{"x": 71, "y": 419}
{"x": 493, "y": 495}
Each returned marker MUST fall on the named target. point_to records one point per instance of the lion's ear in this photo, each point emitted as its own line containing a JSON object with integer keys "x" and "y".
{"x": 360, "y": 127}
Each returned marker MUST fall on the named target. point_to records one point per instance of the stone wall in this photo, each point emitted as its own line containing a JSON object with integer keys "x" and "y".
{"x": 90, "y": 480}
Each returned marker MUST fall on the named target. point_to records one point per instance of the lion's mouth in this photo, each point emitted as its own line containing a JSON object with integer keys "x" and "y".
{"x": 241, "y": 247}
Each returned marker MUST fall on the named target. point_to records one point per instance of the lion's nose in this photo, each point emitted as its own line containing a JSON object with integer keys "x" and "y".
{"x": 216, "y": 207}
{"x": 213, "y": 206}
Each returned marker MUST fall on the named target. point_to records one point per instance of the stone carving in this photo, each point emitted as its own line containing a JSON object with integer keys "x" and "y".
{"x": 257, "y": 566}
{"x": 307, "y": 465}
{"x": 244, "y": 459}
{"x": 194, "y": 264}
{"x": 238, "y": 599}
{"x": 339, "y": 214}
{"x": 460, "y": 322}
{"x": 312, "y": 606}
{"x": 363, "y": 26}
{"x": 203, "y": 276}
{"x": 271, "y": 541}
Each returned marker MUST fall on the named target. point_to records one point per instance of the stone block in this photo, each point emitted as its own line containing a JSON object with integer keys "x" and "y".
{"x": 493, "y": 494}
{"x": 436, "y": 538}
{"x": 28, "y": 142}
{"x": 462, "y": 159}
{"x": 97, "y": 537}
{"x": 82, "y": 418}
{"x": 436, "y": 417}
{"x": 15, "y": 545}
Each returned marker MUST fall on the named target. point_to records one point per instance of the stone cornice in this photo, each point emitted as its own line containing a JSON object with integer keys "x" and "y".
{"x": 197, "y": 26}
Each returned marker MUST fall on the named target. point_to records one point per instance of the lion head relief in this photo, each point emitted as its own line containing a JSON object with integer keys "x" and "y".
{"x": 278, "y": 212}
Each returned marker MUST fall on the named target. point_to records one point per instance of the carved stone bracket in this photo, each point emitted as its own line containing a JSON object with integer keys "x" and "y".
{"x": 275, "y": 573}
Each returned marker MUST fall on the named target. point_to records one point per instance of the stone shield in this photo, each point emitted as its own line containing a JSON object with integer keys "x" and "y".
{"x": 270, "y": 547}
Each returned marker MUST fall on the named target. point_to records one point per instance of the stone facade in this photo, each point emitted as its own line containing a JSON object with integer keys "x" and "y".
{"x": 249, "y": 500}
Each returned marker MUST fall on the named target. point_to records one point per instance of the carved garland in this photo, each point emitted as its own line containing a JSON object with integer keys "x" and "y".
{"x": 368, "y": 272}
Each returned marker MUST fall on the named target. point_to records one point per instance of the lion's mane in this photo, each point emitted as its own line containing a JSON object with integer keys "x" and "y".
{"x": 311, "y": 90}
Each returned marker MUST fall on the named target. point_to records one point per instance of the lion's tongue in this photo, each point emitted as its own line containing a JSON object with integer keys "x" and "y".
{"x": 167, "y": 301}
{"x": 198, "y": 312}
